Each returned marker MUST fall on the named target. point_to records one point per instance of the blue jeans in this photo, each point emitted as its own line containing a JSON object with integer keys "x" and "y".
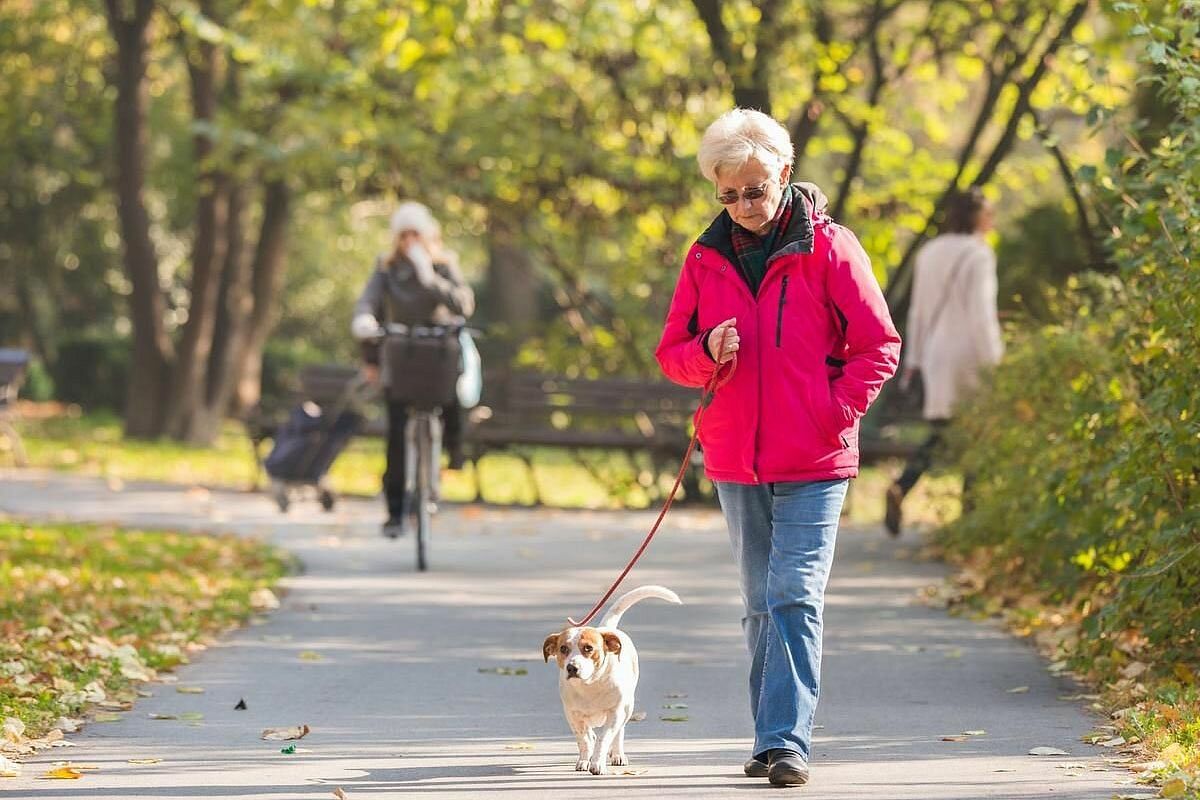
{"x": 783, "y": 538}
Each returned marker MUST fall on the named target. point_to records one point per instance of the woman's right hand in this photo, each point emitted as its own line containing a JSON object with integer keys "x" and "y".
{"x": 728, "y": 332}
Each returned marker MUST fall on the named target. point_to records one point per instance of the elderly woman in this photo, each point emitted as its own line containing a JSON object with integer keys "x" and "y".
{"x": 417, "y": 283}
{"x": 776, "y": 282}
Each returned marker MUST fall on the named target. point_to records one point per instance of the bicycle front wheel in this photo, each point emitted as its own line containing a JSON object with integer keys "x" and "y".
{"x": 423, "y": 496}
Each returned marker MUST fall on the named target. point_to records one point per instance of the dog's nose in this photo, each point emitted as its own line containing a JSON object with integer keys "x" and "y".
{"x": 572, "y": 670}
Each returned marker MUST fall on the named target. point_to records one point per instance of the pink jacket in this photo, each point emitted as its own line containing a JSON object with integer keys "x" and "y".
{"x": 817, "y": 344}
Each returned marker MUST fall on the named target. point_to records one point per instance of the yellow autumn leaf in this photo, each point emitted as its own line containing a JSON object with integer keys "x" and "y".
{"x": 63, "y": 774}
{"x": 1173, "y": 788}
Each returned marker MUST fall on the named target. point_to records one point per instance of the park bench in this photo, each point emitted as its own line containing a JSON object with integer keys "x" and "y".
{"x": 13, "y": 364}
{"x": 522, "y": 409}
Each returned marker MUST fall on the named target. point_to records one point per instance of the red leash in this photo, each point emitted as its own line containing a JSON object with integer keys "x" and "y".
{"x": 719, "y": 378}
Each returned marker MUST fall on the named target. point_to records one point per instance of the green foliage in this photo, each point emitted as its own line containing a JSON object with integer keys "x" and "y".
{"x": 92, "y": 370}
{"x": 1086, "y": 443}
{"x": 1037, "y": 252}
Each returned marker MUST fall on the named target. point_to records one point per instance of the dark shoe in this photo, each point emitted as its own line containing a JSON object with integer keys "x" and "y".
{"x": 755, "y": 768}
{"x": 457, "y": 458}
{"x": 787, "y": 769}
{"x": 395, "y": 527}
{"x": 891, "y": 517}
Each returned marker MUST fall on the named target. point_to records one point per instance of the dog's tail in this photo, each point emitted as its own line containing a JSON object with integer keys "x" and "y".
{"x": 625, "y": 601}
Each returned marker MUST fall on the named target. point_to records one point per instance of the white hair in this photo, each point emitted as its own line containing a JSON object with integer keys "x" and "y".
{"x": 740, "y": 136}
{"x": 413, "y": 216}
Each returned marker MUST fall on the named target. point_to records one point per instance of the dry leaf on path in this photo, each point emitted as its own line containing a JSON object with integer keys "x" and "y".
{"x": 283, "y": 734}
{"x": 974, "y": 733}
{"x": 519, "y": 746}
{"x": 1173, "y": 788}
{"x": 190, "y": 689}
{"x": 634, "y": 771}
{"x": 1018, "y": 690}
{"x": 674, "y": 719}
{"x": 63, "y": 774}
{"x": 1116, "y": 741}
{"x": 955, "y": 738}
{"x": 310, "y": 655}
{"x": 1048, "y": 751}
{"x": 637, "y": 716}
{"x": 163, "y": 716}
{"x": 143, "y": 761}
{"x": 504, "y": 670}
{"x": 106, "y": 716}
{"x": 339, "y": 794}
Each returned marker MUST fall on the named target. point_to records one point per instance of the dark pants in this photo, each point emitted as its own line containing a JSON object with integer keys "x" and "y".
{"x": 923, "y": 459}
{"x": 394, "y": 475}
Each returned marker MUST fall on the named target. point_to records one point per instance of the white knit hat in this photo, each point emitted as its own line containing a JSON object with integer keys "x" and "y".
{"x": 413, "y": 216}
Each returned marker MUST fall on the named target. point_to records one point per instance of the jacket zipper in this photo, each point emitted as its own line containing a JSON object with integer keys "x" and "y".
{"x": 779, "y": 315}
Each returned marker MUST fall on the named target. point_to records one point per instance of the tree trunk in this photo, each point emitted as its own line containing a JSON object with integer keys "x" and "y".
{"x": 511, "y": 284}
{"x": 267, "y": 272}
{"x": 152, "y": 352}
{"x": 190, "y": 381}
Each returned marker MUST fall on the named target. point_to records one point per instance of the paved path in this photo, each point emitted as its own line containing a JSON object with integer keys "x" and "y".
{"x": 399, "y": 706}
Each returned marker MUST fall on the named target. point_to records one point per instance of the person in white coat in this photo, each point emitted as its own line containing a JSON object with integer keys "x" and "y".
{"x": 953, "y": 331}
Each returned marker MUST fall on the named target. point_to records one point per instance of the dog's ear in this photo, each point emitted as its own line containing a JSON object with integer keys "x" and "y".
{"x": 612, "y": 643}
{"x": 550, "y": 646}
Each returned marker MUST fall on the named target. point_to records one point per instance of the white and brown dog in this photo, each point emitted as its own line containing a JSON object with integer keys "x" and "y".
{"x": 597, "y": 677}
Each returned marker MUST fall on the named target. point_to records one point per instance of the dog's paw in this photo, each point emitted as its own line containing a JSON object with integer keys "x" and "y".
{"x": 581, "y": 765}
{"x": 618, "y": 760}
{"x": 597, "y": 767}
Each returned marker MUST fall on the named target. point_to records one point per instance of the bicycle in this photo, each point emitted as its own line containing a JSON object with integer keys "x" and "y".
{"x": 423, "y": 431}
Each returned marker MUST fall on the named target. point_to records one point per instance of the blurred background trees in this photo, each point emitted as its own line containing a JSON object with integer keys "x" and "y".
{"x": 195, "y": 189}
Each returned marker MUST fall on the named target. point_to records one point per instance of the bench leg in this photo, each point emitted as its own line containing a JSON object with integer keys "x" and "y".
{"x": 14, "y": 438}
{"x": 256, "y": 480}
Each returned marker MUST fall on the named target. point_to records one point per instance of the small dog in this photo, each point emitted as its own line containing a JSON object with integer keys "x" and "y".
{"x": 597, "y": 676}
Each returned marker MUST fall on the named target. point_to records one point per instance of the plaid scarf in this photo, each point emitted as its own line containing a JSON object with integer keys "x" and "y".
{"x": 753, "y": 250}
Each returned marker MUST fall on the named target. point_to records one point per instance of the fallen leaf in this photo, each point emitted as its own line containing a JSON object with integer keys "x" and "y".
{"x": 1018, "y": 690}
{"x": 191, "y": 716}
{"x": 163, "y": 716}
{"x": 143, "y": 761}
{"x": 675, "y": 705}
{"x": 339, "y": 794}
{"x": 1134, "y": 669}
{"x": 309, "y": 655}
{"x": 1048, "y": 751}
{"x": 504, "y": 670}
{"x": 63, "y": 774}
{"x": 519, "y": 746}
{"x": 13, "y": 729}
{"x": 1116, "y": 741}
{"x": 674, "y": 719}
{"x": 241, "y": 705}
{"x": 634, "y": 771}
{"x": 1173, "y": 788}
{"x": 282, "y": 734}
{"x": 1004, "y": 770}
{"x": 675, "y": 695}
{"x": 106, "y": 716}
{"x": 974, "y": 733}
{"x": 955, "y": 738}
{"x": 263, "y": 600}
{"x": 637, "y": 716}
{"x": 68, "y": 724}
{"x": 190, "y": 689}
{"x": 955, "y": 653}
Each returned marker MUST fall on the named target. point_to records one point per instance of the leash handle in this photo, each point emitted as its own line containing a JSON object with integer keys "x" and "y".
{"x": 719, "y": 378}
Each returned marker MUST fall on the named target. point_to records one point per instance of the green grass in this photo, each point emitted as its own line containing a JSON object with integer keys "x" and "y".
{"x": 86, "y": 612}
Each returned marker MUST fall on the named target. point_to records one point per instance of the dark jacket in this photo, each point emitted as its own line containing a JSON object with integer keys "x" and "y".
{"x": 394, "y": 293}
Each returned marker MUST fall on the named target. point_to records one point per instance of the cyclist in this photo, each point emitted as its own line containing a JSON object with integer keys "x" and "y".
{"x": 417, "y": 283}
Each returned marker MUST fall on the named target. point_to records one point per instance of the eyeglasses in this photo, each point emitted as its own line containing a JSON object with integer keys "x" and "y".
{"x": 750, "y": 193}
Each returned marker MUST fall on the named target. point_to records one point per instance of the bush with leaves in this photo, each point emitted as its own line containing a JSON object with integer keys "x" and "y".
{"x": 1085, "y": 444}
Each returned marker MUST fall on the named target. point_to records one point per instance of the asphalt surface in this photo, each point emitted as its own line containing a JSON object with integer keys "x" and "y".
{"x": 433, "y": 685}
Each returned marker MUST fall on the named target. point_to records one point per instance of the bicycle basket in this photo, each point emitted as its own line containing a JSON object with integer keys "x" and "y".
{"x": 422, "y": 370}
